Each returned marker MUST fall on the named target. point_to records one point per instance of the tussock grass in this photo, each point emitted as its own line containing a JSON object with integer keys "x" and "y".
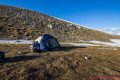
{"x": 67, "y": 63}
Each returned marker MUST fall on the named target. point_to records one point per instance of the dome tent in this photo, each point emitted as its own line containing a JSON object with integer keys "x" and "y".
{"x": 2, "y": 56}
{"x": 45, "y": 42}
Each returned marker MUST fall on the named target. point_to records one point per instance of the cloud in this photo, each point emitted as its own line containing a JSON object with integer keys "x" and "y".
{"x": 114, "y": 31}
{"x": 118, "y": 33}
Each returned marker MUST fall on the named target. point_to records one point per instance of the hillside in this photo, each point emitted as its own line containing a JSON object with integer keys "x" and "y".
{"x": 18, "y": 23}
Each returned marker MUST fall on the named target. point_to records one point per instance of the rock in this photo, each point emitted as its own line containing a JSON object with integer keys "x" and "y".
{"x": 20, "y": 52}
{"x": 87, "y": 58}
{"x": 50, "y": 26}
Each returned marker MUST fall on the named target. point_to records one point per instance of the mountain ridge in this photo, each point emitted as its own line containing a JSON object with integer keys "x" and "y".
{"x": 19, "y": 23}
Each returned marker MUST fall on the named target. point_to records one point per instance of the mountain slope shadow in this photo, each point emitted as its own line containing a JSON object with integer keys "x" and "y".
{"x": 19, "y": 58}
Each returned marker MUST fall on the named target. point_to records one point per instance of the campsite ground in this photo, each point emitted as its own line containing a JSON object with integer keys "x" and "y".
{"x": 67, "y": 63}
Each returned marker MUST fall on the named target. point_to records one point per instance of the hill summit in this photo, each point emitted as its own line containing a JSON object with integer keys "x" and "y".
{"x": 19, "y": 23}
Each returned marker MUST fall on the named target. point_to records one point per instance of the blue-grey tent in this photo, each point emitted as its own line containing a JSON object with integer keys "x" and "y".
{"x": 45, "y": 42}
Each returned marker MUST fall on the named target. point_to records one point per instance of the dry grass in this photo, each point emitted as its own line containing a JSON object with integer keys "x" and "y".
{"x": 67, "y": 63}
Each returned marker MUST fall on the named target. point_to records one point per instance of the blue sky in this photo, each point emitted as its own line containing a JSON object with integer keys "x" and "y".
{"x": 97, "y": 14}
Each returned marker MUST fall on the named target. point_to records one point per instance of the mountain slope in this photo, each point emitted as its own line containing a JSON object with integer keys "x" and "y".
{"x": 18, "y": 23}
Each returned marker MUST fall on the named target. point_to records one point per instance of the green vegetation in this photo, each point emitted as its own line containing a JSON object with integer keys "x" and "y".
{"x": 18, "y": 23}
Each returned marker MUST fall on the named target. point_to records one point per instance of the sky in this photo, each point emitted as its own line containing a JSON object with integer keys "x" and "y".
{"x": 96, "y": 14}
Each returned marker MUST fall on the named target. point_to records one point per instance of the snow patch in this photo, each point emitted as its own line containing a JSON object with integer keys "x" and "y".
{"x": 16, "y": 41}
{"x": 116, "y": 42}
{"x": 80, "y": 44}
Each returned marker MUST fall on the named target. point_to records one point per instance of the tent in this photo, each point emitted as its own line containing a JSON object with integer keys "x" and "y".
{"x": 2, "y": 55}
{"x": 45, "y": 42}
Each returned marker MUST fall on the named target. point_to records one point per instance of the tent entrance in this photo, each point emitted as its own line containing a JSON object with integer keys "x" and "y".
{"x": 51, "y": 42}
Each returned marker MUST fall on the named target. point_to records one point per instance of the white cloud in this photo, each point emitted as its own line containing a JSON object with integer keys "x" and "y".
{"x": 118, "y": 33}
{"x": 114, "y": 31}
{"x": 110, "y": 32}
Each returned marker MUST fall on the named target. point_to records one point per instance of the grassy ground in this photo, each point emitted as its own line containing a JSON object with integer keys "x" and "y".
{"x": 67, "y": 63}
